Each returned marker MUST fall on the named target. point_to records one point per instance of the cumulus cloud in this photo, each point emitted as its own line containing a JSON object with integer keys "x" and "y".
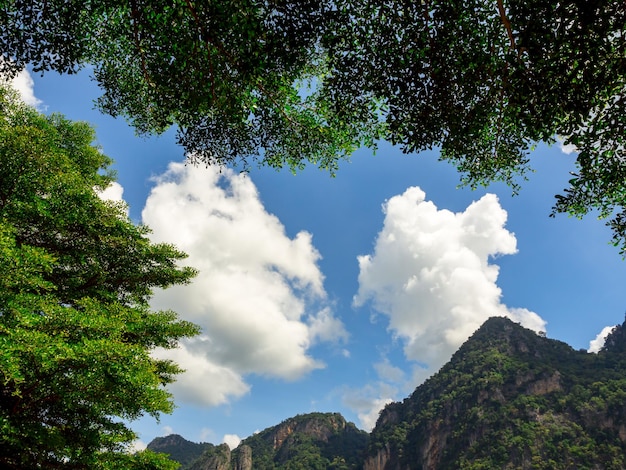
{"x": 323, "y": 326}
{"x": 595, "y": 345}
{"x": 204, "y": 380}
{"x": 431, "y": 274}
{"x": 136, "y": 446}
{"x": 232, "y": 440}
{"x": 389, "y": 372}
{"x": 114, "y": 192}
{"x": 25, "y": 86}
{"x": 368, "y": 401}
{"x": 566, "y": 148}
{"x": 259, "y": 295}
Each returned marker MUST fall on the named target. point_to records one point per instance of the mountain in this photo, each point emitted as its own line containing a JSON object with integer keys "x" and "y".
{"x": 508, "y": 399}
{"x": 312, "y": 441}
{"x": 178, "y": 448}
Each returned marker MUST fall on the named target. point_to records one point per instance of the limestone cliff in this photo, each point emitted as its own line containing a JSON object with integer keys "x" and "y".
{"x": 213, "y": 458}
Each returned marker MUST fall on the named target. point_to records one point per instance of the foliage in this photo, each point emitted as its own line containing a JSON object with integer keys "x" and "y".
{"x": 76, "y": 330}
{"x": 231, "y": 75}
{"x": 294, "y": 81}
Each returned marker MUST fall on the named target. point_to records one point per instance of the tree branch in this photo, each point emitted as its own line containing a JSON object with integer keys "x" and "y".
{"x": 506, "y": 23}
{"x": 134, "y": 17}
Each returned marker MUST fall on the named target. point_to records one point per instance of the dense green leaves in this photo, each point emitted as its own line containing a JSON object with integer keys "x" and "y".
{"x": 76, "y": 330}
{"x": 289, "y": 82}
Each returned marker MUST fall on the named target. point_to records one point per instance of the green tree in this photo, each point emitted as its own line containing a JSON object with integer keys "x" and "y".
{"x": 76, "y": 329}
{"x": 287, "y": 82}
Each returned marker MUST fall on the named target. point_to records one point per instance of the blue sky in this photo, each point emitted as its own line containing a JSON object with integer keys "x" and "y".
{"x": 341, "y": 294}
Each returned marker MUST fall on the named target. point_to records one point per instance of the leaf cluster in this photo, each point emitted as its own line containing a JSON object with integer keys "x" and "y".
{"x": 289, "y": 82}
{"x": 76, "y": 330}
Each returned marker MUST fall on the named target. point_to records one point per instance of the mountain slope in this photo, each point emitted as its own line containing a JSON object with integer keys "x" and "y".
{"x": 178, "y": 448}
{"x": 510, "y": 399}
{"x": 311, "y": 441}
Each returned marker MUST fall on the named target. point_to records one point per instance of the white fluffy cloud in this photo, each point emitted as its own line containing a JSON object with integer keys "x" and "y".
{"x": 136, "y": 446}
{"x": 24, "y": 85}
{"x": 566, "y": 148}
{"x": 595, "y": 345}
{"x": 368, "y": 401}
{"x": 430, "y": 273}
{"x": 114, "y": 192}
{"x": 232, "y": 440}
{"x": 259, "y": 295}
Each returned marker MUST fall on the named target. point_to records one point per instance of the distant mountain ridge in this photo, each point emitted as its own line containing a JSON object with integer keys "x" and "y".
{"x": 507, "y": 399}
{"x": 179, "y": 449}
{"x": 311, "y": 441}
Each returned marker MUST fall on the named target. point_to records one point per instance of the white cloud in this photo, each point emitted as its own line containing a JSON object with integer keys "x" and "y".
{"x": 388, "y": 372}
{"x": 259, "y": 296}
{"x": 232, "y": 440}
{"x": 24, "y": 85}
{"x": 136, "y": 446}
{"x": 595, "y": 345}
{"x": 114, "y": 192}
{"x": 206, "y": 435}
{"x": 391, "y": 383}
{"x": 368, "y": 401}
{"x": 430, "y": 273}
{"x": 528, "y": 319}
{"x": 204, "y": 381}
{"x": 167, "y": 430}
{"x": 566, "y": 148}
{"x": 325, "y": 327}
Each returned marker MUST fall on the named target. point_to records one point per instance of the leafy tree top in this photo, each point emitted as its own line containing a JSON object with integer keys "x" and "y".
{"x": 76, "y": 329}
{"x": 288, "y": 82}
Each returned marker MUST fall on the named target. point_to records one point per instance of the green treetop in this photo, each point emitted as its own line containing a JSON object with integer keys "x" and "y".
{"x": 76, "y": 330}
{"x": 287, "y": 82}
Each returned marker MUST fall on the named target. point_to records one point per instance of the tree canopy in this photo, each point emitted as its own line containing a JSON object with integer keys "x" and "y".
{"x": 76, "y": 329}
{"x": 288, "y": 82}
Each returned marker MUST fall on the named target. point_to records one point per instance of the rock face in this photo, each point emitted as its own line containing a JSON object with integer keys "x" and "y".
{"x": 508, "y": 399}
{"x": 213, "y": 458}
{"x": 244, "y": 458}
